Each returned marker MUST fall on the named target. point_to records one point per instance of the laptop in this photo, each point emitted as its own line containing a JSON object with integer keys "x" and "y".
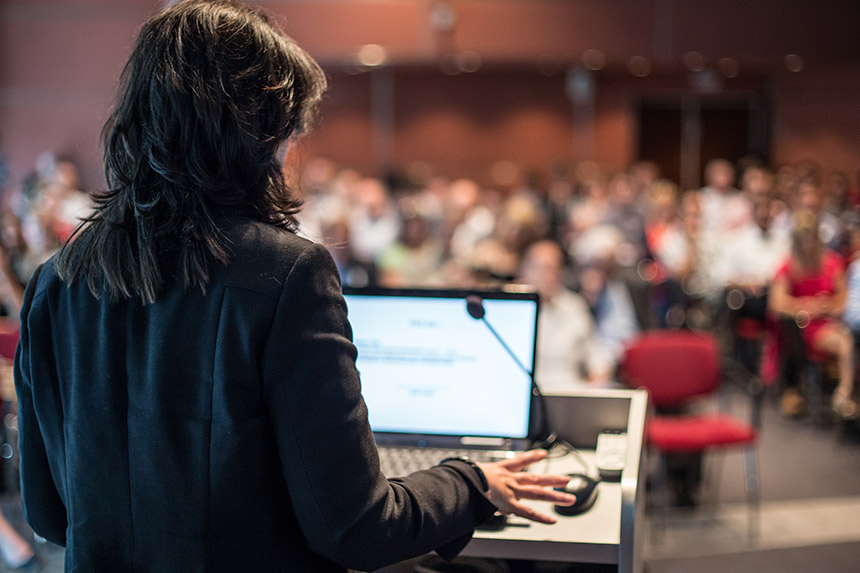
{"x": 435, "y": 378}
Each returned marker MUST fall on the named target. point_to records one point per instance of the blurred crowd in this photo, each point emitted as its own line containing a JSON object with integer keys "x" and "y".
{"x": 36, "y": 217}
{"x": 756, "y": 248}
{"x": 763, "y": 253}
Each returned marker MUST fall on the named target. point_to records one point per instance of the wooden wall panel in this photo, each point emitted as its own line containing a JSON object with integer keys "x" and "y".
{"x": 59, "y": 60}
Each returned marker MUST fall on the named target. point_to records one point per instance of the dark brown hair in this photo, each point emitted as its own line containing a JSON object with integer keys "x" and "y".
{"x": 209, "y": 94}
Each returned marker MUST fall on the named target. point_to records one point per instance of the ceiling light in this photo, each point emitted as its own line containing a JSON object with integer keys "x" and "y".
{"x": 593, "y": 59}
{"x": 469, "y": 61}
{"x": 694, "y": 61}
{"x": 372, "y": 55}
{"x": 793, "y": 63}
{"x": 639, "y": 66}
{"x": 729, "y": 67}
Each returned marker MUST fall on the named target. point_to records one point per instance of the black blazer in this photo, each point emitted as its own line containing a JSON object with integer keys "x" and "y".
{"x": 222, "y": 431}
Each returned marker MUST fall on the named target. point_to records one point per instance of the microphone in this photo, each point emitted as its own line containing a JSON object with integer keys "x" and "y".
{"x": 475, "y": 308}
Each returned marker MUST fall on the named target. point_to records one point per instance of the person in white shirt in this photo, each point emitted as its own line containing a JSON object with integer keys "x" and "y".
{"x": 723, "y": 206}
{"x": 568, "y": 354}
{"x": 749, "y": 260}
{"x": 374, "y": 223}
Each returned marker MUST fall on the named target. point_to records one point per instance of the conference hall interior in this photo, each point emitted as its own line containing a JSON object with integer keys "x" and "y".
{"x": 657, "y": 161}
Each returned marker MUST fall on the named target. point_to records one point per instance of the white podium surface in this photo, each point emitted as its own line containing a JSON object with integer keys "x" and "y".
{"x": 611, "y": 530}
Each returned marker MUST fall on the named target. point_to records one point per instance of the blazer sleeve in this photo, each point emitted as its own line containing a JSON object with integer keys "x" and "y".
{"x": 347, "y": 509}
{"x": 43, "y": 505}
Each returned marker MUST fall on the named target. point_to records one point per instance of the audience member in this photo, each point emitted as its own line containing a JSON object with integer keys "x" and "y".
{"x": 750, "y": 258}
{"x": 415, "y": 258}
{"x": 675, "y": 239}
{"x": 373, "y": 219}
{"x": 723, "y": 206}
{"x": 852, "y": 304}
{"x": 607, "y": 295}
{"x": 811, "y": 198}
{"x": 468, "y": 219}
{"x": 60, "y": 207}
{"x": 590, "y": 210}
{"x": 810, "y": 289}
{"x": 498, "y": 257}
{"x": 839, "y": 195}
{"x": 568, "y": 354}
{"x": 625, "y": 215}
{"x": 336, "y": 236}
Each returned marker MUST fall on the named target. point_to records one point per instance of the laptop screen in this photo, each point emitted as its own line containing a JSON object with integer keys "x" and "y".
{"x": 428, "y": 367}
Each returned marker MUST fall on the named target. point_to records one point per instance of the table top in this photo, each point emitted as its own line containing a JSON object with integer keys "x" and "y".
{"x": 592, "y": 536}
{"x": 610, "y": 531}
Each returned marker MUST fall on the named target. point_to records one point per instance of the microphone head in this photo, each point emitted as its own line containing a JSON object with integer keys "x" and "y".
{"x": 475, "y": 306}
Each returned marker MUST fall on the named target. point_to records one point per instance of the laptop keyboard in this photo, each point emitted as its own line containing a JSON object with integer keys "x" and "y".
{"x": 401, "y": 461}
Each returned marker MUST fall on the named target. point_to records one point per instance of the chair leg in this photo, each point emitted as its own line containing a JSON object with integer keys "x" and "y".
{"x": 814, "y": 398}
{"x": 751, "y": 484}
{"x": 713, "y": 469}
{"x": 662, "y": 479}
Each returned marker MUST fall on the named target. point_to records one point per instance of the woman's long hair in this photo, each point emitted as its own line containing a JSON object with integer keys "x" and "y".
{"x": 210, "y": 93}
{"x": 806, "y": 245}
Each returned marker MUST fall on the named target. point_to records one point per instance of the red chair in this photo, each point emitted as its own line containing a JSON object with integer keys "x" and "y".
{"x": 676, "y": 367}
{"x": 8, "y": 341}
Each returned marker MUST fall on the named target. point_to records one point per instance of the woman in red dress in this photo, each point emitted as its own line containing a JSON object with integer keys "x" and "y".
{"x": 811, "y": 289}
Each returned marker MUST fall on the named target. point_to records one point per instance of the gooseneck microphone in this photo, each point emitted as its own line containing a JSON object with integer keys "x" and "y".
{"x": 475, "y": 308}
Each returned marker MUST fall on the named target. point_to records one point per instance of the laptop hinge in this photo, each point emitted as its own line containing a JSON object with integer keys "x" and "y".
{"x": 483, "y": 441}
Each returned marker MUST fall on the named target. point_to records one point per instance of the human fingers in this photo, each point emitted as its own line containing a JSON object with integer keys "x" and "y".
{"x": 543, "y": 494}
{"x": 541, "y": 479}
{"x": 523, "y": 510}
{"x": 523, "y": 460}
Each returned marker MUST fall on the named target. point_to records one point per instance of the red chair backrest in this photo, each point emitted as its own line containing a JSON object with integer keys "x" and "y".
{"x": 675, "y": 366}
{"x": 8, "y": 342}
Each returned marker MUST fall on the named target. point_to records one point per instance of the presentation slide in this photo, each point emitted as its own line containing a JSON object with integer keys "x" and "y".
{"x": 427, "y": 366}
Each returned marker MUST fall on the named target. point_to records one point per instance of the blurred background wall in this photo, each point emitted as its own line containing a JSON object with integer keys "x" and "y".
{"x": 489, "y": 88}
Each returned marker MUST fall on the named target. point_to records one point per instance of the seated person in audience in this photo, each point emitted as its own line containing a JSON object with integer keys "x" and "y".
{"x": 17, "y": 263}
{"x": 466, "y": 219}
{"x": 664, "y": 228}
{"x": 354, "y": 272}
{"x": 568, "y": 353}
{"x": 749, "y": 260}
{"x": 591, "y": 209}
{"x": 606, "y": 294}
{"x": 11, "y": 287}
{"x": 757, "y": 184}
{"x": 374, "y": 224}
{"x": 810, "y": 288}
{"x": 811, "y": 198}
{"x": 60, "y": 206}
{"x": 723, "y": 206}
{"x": 852, "y": 304}
{"x": 559, "y": 198}
{"x": 627, "y": 216}
{"x": 746, "y": 265}
{"x": 414, "y": 259}
{"x": 840, "y": 196}
{"x": 326, "y": 193}
{"x": 674, "y": 240}
{"x": 643, "y": 174}
{"x": 497, "y": 258}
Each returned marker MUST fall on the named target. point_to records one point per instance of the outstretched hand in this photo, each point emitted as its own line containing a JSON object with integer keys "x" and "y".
{"x": 509, "y": 484}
